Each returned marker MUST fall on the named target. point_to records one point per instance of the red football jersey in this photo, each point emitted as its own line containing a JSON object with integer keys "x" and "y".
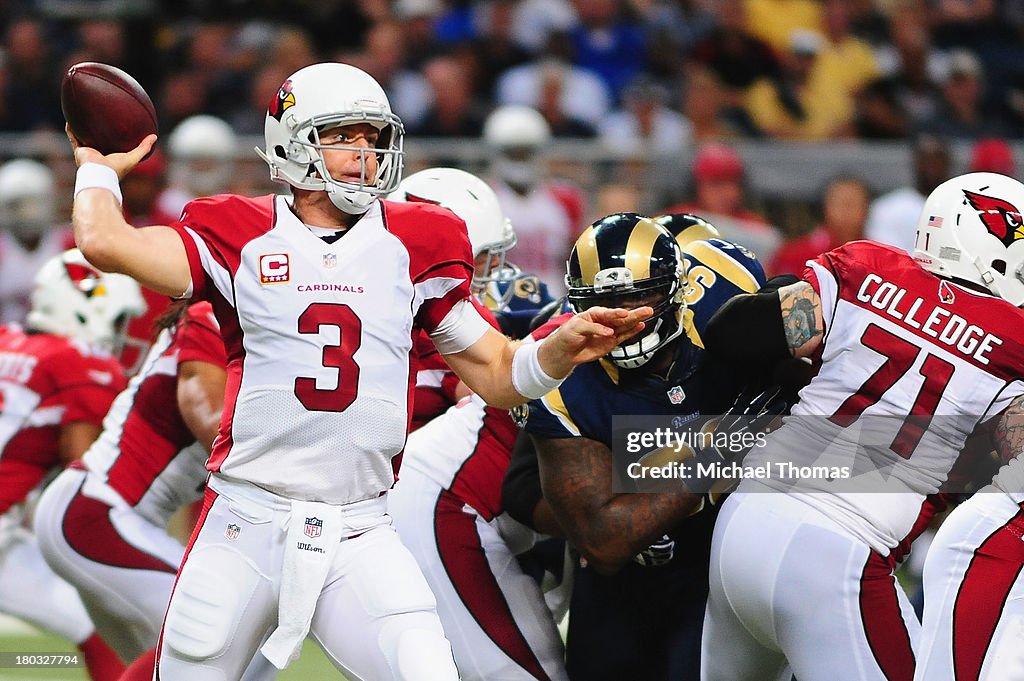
{"x": 144, "y": 453}
{"x": 46, "y": 383}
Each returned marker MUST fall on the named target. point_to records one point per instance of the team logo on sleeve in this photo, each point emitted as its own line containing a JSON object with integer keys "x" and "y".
{"x": 946, "y": 293}
{"x": 313, "y": 527}
{"x": 232, "y": 530}
{"x": 274, "y": 268}
{"x": 283, "y": 100}
{"x": 1001, "y": 218}
{"x": 519, "y": 415}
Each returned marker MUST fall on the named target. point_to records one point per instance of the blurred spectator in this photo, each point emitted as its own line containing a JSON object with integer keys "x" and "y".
{"x": 963, "y": 23}
{"x": 494, "y": 43}
{"x": 683, "y": 23}
{"x": 249, "y": 116}
{"x": 733, "y": 53}
{"x": 32, "y": 85}
{"x": 845, "y": 59}
{"x": 705, "y": 105}
{"x": 909, "y": 62}
{"x": 29, "y": 235}
{"x": 618, "y": 197}
{"x": 202, "y": 152}
{"x": 775, "y": 20}
{"x": 582, "y": 95}
{"x": 454, "y": 111}
{"x": 892, "y": 217}
{"x": 183, "y": 94}
{"x": 384, "y": 58}
{"x": 541, "y": 213}
{"x": 718, "y": 196}
{"x": 992, "y": 155}
{"x": 959, "y": 112}
{"x": 535, "y": 21}
{"x": 293, "y": 50}
{"x": 878, "y": 111}
{"x": 416, "y": 19}
{"x": 609, "y": 43}
{"x": 103, "y": 40}
{"x": 844, "y": 211}
{"x": 646, "y": 123}
{"x": 801, "y": 104}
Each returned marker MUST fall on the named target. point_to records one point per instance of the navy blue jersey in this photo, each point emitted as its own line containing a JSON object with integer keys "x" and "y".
{"x": 619, "y": 625}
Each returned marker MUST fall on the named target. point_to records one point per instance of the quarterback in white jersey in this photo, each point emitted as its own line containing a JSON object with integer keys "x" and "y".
{"x": 319, "y": 297}
{"x": 934, "y": 346}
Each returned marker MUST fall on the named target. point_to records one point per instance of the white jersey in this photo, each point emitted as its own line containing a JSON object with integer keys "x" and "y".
{"x": 544, "y": 233}
{"x": 319, "y": 336}
{"x": 898, "y": 341}
{"x": 146, "y": 453}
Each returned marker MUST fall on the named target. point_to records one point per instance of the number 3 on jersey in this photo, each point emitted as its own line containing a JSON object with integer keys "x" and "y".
{"x": 900, "y": 355}
{"x": 337, "y": 356}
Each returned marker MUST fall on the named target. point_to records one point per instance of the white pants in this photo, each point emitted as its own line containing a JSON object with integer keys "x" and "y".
{"x": 30, "y": 591}
{"x": 787, "y": 583}
{"x": 122, "y": 565}
{"x": 974, "y": 594}
{"x": 375, "y": 617}
{"x": 494, "y": 615}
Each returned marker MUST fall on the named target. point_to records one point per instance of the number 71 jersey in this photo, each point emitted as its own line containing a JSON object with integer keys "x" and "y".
{"x": 319, "y": 336}
{"x": 933, "y": 357}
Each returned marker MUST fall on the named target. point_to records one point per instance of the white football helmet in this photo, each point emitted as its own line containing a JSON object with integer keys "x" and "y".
{"x": 27, "y": 206}
{"x": 322, "y": 96}
{"x": 971, "y": 228}
{"x": 72, "y": 298}
{"x": 471, "y": 199}
{"x": 202, "y": 150}
{"x": 517, "y": 133}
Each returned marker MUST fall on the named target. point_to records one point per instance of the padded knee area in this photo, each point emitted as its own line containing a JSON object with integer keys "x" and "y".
{"x": 212, "y": 592}
{"x": 416, "y": 648}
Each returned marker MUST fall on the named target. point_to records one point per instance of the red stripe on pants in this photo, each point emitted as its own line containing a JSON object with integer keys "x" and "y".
{"x": 458, "y": 545}
{"x": 882, "y": 618}
{"x": 983, "y": 592}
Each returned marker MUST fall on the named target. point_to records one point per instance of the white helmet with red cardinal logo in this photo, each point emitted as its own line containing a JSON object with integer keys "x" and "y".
{"x": 71, "y": 298}
{"x": 971, "y": 228}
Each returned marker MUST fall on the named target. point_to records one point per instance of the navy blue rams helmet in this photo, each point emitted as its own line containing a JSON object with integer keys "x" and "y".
{"x": 628, "y": 260}
{"x": 687, "y": 228}
{"x": 516, "y": 301}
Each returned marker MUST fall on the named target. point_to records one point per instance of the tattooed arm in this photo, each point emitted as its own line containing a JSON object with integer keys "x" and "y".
{"x": 770, "y": 325}
{"x": 1009, "y": 432}
{"x": 801, "y": 318}
{"x": 608, "y": 529}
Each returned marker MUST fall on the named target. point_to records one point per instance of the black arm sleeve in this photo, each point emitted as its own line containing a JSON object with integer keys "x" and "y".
{"x": 520, "y": 490}
{"x": 748, "y": 328}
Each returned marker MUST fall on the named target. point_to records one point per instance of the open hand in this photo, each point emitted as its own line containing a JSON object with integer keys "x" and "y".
{"x": 122, "y": 163}
{"x": 588, "y": 336}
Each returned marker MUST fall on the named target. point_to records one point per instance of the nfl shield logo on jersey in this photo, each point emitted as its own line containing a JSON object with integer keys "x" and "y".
{"x": 330, "y": 260}
{"x": 232, "y": 531}
{"x": 313, "y": 527}
{"x": 676, "y": 395}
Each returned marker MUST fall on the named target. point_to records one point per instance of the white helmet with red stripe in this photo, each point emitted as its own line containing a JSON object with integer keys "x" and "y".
{"x": 71, "y": 298}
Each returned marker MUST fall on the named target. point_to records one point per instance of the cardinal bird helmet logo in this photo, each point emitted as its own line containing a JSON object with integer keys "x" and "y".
{"x": 1001, "y": 218}
{"x": 283, "y": 100}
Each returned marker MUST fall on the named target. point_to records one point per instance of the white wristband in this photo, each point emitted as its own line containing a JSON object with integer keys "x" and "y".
{"x": 97, "y": 176}
{"x": 528, "y": 377}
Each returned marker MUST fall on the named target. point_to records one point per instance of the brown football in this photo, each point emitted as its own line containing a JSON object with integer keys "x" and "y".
{"x": 106, "y": 108}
